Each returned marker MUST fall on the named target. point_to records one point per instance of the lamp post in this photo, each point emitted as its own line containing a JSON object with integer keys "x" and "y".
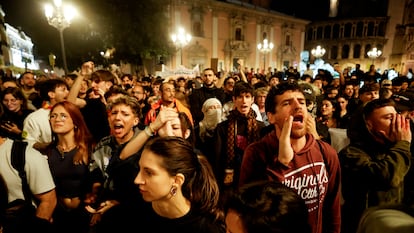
{"x": 374, "y": 53}
{"x": 60, "y": 17}
{"x": 181, "y": 39}
{"x": 318, "y": 52}
{"x": 265, "y": 48}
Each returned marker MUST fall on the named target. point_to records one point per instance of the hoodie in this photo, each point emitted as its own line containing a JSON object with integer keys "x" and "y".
{"x": 314, "y": 173}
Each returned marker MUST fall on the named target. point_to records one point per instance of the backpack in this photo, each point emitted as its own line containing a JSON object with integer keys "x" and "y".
{"x": 20, "y": 211}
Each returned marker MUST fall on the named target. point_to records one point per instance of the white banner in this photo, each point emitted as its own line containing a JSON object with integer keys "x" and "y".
{"x": 168, "y": 73}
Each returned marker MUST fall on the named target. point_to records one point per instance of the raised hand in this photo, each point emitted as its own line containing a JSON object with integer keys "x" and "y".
{"x": 285, "y": 147}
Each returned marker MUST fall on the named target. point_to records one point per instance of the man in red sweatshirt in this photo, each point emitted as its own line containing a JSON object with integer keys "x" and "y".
{"x": 291, "y": 155}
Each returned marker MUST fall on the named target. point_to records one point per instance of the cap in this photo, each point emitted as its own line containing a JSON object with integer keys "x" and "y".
{"x": 308, "y": 91}
{"x": 404, "y": 101}
{"x": 386, "y": 82}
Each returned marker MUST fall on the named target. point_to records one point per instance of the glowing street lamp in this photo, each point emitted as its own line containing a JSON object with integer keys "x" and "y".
{"x": 181, "y": 39}
{"x": 60, "y": 16}
{"x": 318, "y": 52}
{"x": 374, "y": 53}
{"x": 265, "y": 48}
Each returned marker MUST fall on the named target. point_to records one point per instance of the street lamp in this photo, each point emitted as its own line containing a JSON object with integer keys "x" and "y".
{"x": 374, "y": 53}
{"x": 181, "y": 39}
{"x": 60, "y": 17}
{"x": 318, "y": 52}
{"x": 265, "y": 48}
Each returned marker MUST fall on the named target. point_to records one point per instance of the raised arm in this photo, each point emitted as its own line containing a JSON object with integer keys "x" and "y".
{"x": 137, "y": 143}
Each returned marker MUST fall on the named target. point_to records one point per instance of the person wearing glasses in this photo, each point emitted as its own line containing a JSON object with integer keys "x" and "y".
{"x": 69, "y": 156}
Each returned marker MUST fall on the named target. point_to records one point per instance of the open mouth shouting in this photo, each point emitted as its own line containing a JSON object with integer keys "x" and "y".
{"x": 297, "y": 121}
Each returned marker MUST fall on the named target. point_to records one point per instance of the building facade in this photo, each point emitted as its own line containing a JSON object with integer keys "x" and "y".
{"x": 16, "y": 47}
{"x": 226, "y": 33}
{"x": 348, "y": 40}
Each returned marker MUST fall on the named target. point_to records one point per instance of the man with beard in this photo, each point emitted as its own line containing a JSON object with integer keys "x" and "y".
{"x": 290, "y": 154}
{"x": 115, "y": 201}
{"x": 168, "y": 100}
{"x": 139, "y": 93}
{"x": 208, "y": 90}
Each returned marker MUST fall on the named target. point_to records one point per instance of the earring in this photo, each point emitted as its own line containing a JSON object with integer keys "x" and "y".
{"x": 173, "y": 190}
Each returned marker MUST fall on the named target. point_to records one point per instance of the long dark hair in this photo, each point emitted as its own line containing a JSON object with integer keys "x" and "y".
{"x": 200, "y": 186}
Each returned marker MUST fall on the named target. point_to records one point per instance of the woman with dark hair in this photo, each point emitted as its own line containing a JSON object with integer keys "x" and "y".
{"x": 180, "y": 186}
{"x": 266, "y": 207}
{"x": 15, "y": 111}
{"x": 69, "y": 157}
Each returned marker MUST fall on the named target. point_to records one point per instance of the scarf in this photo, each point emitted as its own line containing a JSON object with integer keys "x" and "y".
{"x": 252, "y": 133}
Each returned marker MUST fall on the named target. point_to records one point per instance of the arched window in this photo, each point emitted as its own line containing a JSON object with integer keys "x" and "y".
{"x": 334, "y": 52}
{"x": 357, "y": 51}
{"x": 360, "y": 29}
{"x": 348, "y": 30}
{"x": 336, "y": 31}
{"x": 370, "y": 31}
{"x": 319, "y": 33}
{"x": 345, "y": 51}
{"x": 327, "y": 32}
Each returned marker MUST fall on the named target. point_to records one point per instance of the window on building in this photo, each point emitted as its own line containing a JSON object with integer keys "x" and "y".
{"x": 357, "y": 51}
{"x": 359, "y": 29}
{"x": 287, "y": 40}
{"x": 319, "y": 32}
{"x": 336, "y": 31}
{"x": 327, "y": 32}
{"x": 348, "y": 30}
{"x": 345, "y": 51}
{"x": 370, "y": 31}
{"x": 334, "y": 52}
{"x": 238, "y": 34}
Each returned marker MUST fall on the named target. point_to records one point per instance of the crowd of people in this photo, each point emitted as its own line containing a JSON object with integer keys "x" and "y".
{"x": 240, "y": 151}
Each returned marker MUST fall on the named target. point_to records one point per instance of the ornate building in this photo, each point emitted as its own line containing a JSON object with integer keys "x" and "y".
{"x": 226, "y": 32}
{"x": 347, "y": 40}
{"x": 16, "y": 47}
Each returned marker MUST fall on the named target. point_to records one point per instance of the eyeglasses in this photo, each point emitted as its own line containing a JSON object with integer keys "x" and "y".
{"x": 61, "y": 116}
{"x": 10, "y": 101}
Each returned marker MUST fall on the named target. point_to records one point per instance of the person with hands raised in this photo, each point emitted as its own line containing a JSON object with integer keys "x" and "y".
{"x": 291, "y": 154}
{"x": 374, "y": 167}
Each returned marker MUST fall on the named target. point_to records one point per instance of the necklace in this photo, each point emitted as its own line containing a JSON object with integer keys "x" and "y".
{"x": 62, "y": 150}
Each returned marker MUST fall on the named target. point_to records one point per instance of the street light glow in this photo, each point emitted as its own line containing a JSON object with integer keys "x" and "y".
{"x": 374, "y": 53}
{"x": 265, "y": 48}
{"x": 318, "y": 52}
{"x": 181, "y": 39}
{"x": 60, "y": 16}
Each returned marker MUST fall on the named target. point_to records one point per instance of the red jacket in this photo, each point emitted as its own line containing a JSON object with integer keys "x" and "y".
{"x": 153, "y": 112}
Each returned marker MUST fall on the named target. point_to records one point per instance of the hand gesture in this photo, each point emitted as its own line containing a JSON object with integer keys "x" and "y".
{"x": 285, "y": 147}
{"x": 164, "y": 115}
{"x": 399, "y": 129}
{"x": 87, "y": 68}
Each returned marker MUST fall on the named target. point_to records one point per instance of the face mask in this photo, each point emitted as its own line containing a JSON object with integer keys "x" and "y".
{"x": 213, "y": 117}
